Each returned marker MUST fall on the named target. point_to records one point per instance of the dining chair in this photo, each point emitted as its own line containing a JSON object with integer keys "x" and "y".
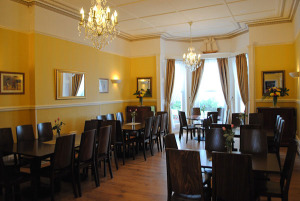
{"x": 6, "y": 139}
{"x": 161, "y": 113}
{"x": 232, "y": 177}
{"x": 90, "y": 125}
{"x": 102, "y": 117}
{"x": 275, "y": 146}
{"x": 10, "y": 179}
{"x": 110, "y": 117}
{"x": 103, "y": 153}
{"x": 120, "y": 117}
{"x": 214, "y": 140}
{"x": 113, "y": 135}
{"x": 145, "y": 137}
{"x": 62, "y": 162}
{"x": 196, "y": 111}
{"x": 87, "y": 157}
{"x": 185, "y": 126}
{"x": 220, "y": 111}
{"x": 155, "y": 135}
{"x": 281, "y": 189}
{"x": 253, "y": 141}
{"x": 45, "y": 132}
{"x": 164, "y": 126}
{"x": 170, "y": 141}
{"x": 236, "y": 119}
{"x": 25, "y": 133}
{"x": 256, "y": 118}
{"x": 185, "y": 181}
{"x": 214, "y": 116}
{"x": 146, "y": 114}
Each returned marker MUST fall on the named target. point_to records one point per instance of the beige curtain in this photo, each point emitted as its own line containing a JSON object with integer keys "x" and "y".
{"x": 224, "y": 76}
{"x": 196, "y": 81}
{"x": 170, "y": 76}
{"x": 76, "y": 81}
{"x": 242, "y": 74}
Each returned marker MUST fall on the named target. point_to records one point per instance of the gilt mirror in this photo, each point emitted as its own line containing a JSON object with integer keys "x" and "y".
{"x": 70, "y": 84}
{"x": 272, "y": 79}
{"x": 145, "y": 83}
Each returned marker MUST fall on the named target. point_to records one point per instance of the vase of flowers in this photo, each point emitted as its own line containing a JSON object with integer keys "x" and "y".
{"x": 229, "y": 135}
{"x": 57, "y": 126}
{"x": 140, "y": 94}
{"x": 202, "y": 109}
{"x": 133, "y": 115}
{"x": 275, "y": 92}
{"x": 242, "y": 117}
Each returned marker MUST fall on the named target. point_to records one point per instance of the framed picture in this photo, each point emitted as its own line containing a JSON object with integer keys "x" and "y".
{"x": 272, "y": 79}
{"x": 103, "y": 85}
{"x": 11, "y": 83}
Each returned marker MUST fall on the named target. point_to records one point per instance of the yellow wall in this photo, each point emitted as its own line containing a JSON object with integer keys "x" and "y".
{"x": 38, "y": 56}
{"x": 297, "y": 56}
{"x": 276, "y": 57}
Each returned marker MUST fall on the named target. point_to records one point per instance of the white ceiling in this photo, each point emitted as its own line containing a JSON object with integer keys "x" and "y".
{"x": 169, "y": 18}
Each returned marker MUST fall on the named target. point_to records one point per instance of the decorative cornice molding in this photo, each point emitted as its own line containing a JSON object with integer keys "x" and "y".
{"x": 70, "y": 12}
{"x": 43, "y": 107}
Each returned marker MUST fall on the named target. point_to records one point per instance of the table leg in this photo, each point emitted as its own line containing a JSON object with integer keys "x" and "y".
{"x": 35, "y": 167}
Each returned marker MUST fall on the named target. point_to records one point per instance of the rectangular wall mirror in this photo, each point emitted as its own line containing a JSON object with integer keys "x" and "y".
{"x": 70, "y": 84}
{"x": 272, "y": 79}
{"x": 145, "y": 83}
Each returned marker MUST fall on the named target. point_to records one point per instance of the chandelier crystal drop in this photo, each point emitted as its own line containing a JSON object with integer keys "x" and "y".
{"x": 101, "y": 25}
{"x": 191, "y": 59}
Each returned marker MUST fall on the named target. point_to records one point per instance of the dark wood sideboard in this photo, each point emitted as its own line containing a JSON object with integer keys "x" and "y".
{"x": 142, "y": 112}
{"x": 289, "y": 114}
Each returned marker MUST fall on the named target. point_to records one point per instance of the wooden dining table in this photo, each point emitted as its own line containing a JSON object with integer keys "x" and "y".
{"x": 260, "y": 163}
{"x": 36, "y": 151}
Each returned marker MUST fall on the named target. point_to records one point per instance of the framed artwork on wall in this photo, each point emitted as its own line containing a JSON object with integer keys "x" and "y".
{"x": 12, "y": 83}
{"x": 103, "y": 85}
{"x": 272, "y": 79}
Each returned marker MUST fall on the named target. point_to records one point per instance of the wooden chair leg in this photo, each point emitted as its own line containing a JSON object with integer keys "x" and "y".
{"x": 97, "y": 172}
{"x": 94, "y": 167}
{"x": 52, "y": 187}
{"x": 133, "y": 151}
{"x": 104, "y": 167}
{"x": 187, "y": 135}
{"x": 124, "y": 145}
{"x": 151, "y": 146}
{"x": 109, "y": 167}
{"x": 8, "y": 193}
{"x": 74, "y": 183}
{"x": 116, "y": 158}
{"x": 78, "y": 181}
{"x": 144, "y": 150}
{"x": 160, "y": 142}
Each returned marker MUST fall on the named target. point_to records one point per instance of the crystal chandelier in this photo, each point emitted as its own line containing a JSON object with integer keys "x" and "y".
{"x": 191, "y": 59}
{"x": 101, "y": 25}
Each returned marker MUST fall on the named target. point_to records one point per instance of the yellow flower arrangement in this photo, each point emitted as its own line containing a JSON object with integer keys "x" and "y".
{"x": 275, "y": 92}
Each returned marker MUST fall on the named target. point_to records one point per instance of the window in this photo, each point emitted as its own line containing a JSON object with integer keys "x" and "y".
{"x": 210, "y": 92}
{"x": 179, "y": 98}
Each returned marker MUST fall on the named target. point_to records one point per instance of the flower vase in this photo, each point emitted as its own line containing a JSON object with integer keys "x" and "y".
{"x": 229, "y": 149}
{"x": 274, "y": 101}
{"x": 133, "y": 119}
{"x": 57, "y": 133}
{"x": 141, "y": 101}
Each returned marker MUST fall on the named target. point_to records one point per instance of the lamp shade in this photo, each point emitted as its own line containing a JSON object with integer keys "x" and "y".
{"x": 295, "y": 74}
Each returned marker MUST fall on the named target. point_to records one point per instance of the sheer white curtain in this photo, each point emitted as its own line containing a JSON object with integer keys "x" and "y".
{"x": 210, "y": 92}
{"x": 179, "y": 96}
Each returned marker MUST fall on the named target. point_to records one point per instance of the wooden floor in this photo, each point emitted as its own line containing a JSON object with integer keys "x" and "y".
{"x": 146, "y": 180}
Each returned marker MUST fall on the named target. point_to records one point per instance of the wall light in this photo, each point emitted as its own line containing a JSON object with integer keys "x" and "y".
{"x": 115, "y": 81}
{"x": 295, "y": 74}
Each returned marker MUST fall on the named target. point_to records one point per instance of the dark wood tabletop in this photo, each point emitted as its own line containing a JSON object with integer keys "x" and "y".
{"x": 267, "y": 163}
{"x": 135, "y": 127}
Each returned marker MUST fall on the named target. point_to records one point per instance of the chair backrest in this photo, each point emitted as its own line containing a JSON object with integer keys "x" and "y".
{"x": 205, "y": 123}
{"x": 227, "y": 126}
{"x": 164, "y": 122}
{"x": 232, "y": 177}
{"x": 120, "y": 117}
{"x": 147, "y": 114}
{"x": 156, "y": 124}
{"x": 276, "y": 127}
{"x": 196, "y": 111}
{"x": 214, "y": 140}
{"x": 90, "y": 125}
{"x": 182, "y": 119}
{"x": 110, "y": 117}
{"x": 210, "y": 120}
{"x": 288, "y": 167}
{"x": 45, "y": 132}
{"x": 220, "y": 113}
{"x": 103, "y": 140}
{"x": 170, "y": 141}
{"x": 251, "y": 126}
{"x": 184, "y": 172}
{"x": 113, "y": 134}
{"x": 278, "y": 135}
{"x": 25, "y": 133}
{"x": 214, "y": 116}
{"x": 6, "y": 137}
{"x": 102, "y": 117}
{"x": 236, "y": 120}
{"x": 253, "y": 141}
{"x": 119, "y": 132}
{"x": 256, "y": 118}
{"x": 2, "y": 168}
{"x": 64, "y": 152}
{"x": 87, "y": 145}
{"x": 148, "y": 126}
